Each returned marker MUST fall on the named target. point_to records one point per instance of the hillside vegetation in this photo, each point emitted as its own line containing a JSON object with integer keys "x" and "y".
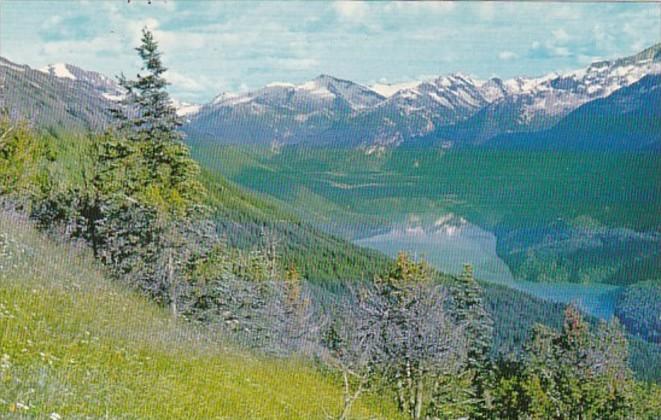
{"x": 74, "y": 343}
{"x": 584, "y": 217}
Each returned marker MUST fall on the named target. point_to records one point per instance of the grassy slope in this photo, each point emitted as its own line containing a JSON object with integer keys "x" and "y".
{"x": 73, "y": 343}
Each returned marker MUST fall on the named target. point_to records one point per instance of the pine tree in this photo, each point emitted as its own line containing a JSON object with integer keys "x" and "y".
{"x": 147, "y": 170}
{"x": 470, "y": 310}
{"x": 420, "y": 341}
{"x": 147, "y": 109}
{"x": 576, "y": 373}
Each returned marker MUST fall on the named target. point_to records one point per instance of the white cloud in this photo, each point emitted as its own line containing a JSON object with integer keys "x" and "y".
{"x": 507, "y": 55}
{"x": 254, "y": 43}
{"x": 183, "y": 82}
{"x": 420, "y": 6}
{"x": 55, "y": 50}
{"x": 486, "y": 10}
{"x": 167, "y": 5}
{"x": 351, "y": 10}
{"x": 560, "y": 35}
{"x": 301, "y": 63}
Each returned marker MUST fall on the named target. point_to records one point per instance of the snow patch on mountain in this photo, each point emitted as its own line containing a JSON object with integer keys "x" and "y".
{"x": 58, "y": 70}
{"x": 111, "y": 97}
{"x": 184, "y": 109}
{"x": 10, "y": 65}
{"x": 388, "y": 90}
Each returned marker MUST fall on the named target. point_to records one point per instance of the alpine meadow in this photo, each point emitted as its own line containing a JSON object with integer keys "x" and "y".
{"x": 330, "y": 210}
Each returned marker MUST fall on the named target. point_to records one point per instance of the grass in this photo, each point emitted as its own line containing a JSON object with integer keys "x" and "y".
{"x": 74, "y": 344}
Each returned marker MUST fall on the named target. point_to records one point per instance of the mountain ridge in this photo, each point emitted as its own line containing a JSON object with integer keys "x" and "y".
{"x": 451, "y": 110}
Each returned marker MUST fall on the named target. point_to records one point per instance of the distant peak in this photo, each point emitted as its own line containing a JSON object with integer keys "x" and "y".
{"x": 280, "y": 85}
{"x": 327, "y": 79}
{"x": 324, "y": 76}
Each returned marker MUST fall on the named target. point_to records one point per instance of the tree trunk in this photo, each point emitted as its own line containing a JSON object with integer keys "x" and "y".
{"x": 172, "y": 285}
{"x": 350, "y": 397}
{"x": 347, "y": 398}
{"x": 418, "y": 400}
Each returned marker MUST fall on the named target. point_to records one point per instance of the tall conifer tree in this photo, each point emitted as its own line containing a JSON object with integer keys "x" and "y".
{"x": 147, "y": 169}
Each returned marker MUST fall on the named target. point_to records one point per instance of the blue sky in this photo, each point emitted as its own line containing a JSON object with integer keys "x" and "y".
{"x": 213, "y": 46}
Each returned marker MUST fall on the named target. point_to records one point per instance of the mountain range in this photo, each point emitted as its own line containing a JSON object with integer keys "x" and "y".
{"x": 455, "y": 110}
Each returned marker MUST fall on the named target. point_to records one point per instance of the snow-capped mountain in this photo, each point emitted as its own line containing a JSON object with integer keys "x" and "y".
{"x": 64, "y": 95}
{"x": 417, "y": 110}
{"x": 450, "y": 110}
{"x": 532, "y": 104}
{"x": 105, "y": 85}
{"x": 324, "y": 90}
{"x": 61, "y": 96}
{"x": 453, "y": 109}
{"x": 627, "y": 119}
{"x": 282, "y": 113}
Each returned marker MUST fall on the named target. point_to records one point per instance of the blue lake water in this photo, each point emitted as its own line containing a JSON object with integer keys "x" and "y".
{"x": 448, "y": 246}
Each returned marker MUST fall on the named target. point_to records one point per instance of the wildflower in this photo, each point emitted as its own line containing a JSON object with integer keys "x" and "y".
{"x": 4, "y": 362}
{"x": 54, "y": 416}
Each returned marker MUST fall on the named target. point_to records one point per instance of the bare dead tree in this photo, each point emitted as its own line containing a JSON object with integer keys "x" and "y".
{"x": 419, "y": 340}
{"x": 398, "y": 330}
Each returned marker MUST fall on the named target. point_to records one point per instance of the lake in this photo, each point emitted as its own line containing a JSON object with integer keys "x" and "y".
{"x": 452, "y": 242}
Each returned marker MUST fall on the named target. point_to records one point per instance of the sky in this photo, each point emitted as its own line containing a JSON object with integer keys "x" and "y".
{"x": 221, "y": 46}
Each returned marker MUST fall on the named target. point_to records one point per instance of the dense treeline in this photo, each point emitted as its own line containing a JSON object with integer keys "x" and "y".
{"x": 514, "y": 314}
{"x": 247, "y": 221}
{"x": 639, "y": 308}
{"x": 580, "y": 251}
{"x": 135, "y": 197}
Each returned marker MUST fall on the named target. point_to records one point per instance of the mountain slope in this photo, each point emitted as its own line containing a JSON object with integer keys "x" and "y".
{"x": 537, "y": 104}
{"x": 75, "y": 344}
{"x": 55, "y": 98}
{"x": 63, "y": 96}
{"x": 98, "y": 82}
{"x": 628, "y": 119}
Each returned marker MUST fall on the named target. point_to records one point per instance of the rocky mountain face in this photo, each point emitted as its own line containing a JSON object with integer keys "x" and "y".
{"x": 530, "y": 105}
{"x": 60, "y": 97}
{"x": 448, "y": 111}
{"x": 627, "y": 119}
{"x": 107, "y": 87}
{"x": 63, "y": 96}
{"x": 452, "y": 110}
{"x": 281, "y": 113}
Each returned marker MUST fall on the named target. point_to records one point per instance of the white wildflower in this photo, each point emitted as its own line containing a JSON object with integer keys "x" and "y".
{"x": 21, "y": 406}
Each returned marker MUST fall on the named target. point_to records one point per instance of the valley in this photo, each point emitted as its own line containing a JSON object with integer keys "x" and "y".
{"x": 545, "y": 223}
